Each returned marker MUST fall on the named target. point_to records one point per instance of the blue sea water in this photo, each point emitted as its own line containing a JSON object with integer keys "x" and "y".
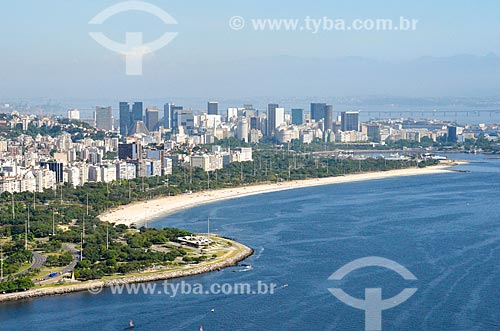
{"x": 444, "y": 228}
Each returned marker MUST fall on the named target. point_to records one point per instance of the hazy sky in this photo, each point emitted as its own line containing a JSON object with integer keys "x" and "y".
{"x": 47, "y": 51}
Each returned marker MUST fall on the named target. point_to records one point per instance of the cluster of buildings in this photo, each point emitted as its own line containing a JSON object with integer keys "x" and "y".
{"x": 243, "y": 123}
{"x": 430, "y": 130}
{"x": 38, "y": 163}
{"x": 251, "y": 125}
{"x": 148, "y": 142}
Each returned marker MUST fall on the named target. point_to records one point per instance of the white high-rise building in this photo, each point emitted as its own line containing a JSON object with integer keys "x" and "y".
{"x": 45, "y": 179}
{"x": 231, "y": 113}
{"x": 94, "y": 173}
{"x": 275, "y": 118}
{"x": 126, "y": 170}
{"x": 242, "y": 129}
{"x": 108, "y": 172}
{"x": 73, "y": 176}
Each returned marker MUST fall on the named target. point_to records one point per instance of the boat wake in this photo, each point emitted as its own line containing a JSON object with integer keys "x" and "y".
{"x": 260, "y": 253}
{"x": 246, "y": 267}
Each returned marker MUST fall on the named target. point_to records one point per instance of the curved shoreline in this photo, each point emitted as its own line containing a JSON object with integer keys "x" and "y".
{"x": 96, "y": 286}
{"x": 135, "y": 212}
{"x": 138, "y": 213}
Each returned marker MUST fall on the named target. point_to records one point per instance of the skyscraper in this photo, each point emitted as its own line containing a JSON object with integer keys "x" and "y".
{"x": 213, "y": 108}
{"x": 318, "y": 111}
{"x": 125, "y": 118}
{"x": 137, "y": 112}
{"x": 167, "y": 115}
{"x": 373, "y": 132}
{"x": 275, "y": 117}
{"x": 297, "y": 116}
{"x": 152, "y": 118}
{"x": 185, "y": 118}
{"x": 452, "y": 134}
{"x": 103, "y": 118}
{"x": 349, "y": 120}
{"x": 254, "y": 123}
{"x": 175, "y": 110}
{"x": 329, "y": 118}
{"x": 242, "y": 129}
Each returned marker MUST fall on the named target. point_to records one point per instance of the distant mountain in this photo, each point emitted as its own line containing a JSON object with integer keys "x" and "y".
{"x": 280, "y": 76}
{"x": 462, "y": 75}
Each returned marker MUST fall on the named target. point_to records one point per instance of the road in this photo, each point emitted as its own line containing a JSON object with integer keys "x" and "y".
{"x": 67, "y": 269}
{"x": 76, "y": 257}
{"x": 38, "y": 260}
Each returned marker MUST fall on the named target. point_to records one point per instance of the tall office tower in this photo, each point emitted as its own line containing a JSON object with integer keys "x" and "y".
{"x": 167, "y": 115}
{"x": 329, "y": 118}
{"x": 174, "y": 111}
{"x": 137, "y": 112}
{"x": 262, "y": 124}
{"x": 271, "y": 124}
{"x": 73, "y": 114}
{"x": 125, "y": 118}
{"x": 318, "y": 111}
{"x": 349, "y": 120}
{"x": 373, "y": 132}
{"x": 452, "y": 134}
{"x": 297, "y": 116}
{"x": 185, "y": 118}
{"x": 213, "y": 108}
{"x": 152, "y": 118}
{"x": 275, "y": 117}
{"x": 242, "y": 129}
{"x": 103, "y": 118}
{"x": 254, "y": 123}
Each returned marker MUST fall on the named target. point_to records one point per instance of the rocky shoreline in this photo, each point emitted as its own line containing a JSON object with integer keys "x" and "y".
{"x": 96, "y": 287}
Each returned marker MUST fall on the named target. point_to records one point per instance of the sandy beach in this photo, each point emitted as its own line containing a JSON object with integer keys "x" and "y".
{"x": 138, "y": 213}
{"x": 141, "y": 212}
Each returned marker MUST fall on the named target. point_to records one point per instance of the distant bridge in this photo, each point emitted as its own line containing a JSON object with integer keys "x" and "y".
{"x": 427, "y": 113}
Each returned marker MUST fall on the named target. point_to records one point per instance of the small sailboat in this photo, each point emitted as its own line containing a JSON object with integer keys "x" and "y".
{"x": 201, "y": 327}
{"x": 131, "y": 324}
